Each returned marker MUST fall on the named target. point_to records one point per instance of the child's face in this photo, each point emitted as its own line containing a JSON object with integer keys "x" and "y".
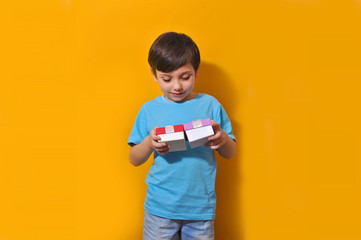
{"x": 177, "y": 85}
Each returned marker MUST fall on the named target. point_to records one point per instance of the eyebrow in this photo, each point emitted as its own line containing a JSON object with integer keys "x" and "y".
{"x": 164, "y": 75}
{"x": 169, "y": 75}
{"x": 187, "y": 72}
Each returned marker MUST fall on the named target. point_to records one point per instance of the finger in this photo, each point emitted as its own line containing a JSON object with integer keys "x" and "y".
{"x": 160, "y": 145}
{"x": 215, "y": 124}
{"x": 215, "y": 147}
{"x": 157, "y": 144}
{"x": 211, "y": 145}
{"x": 208, "y": 144}
{"x": 156, "y": 138}
{"x": 215, "y": 136}
{"x": 216, "y": 144}
{"x": 163, "y": 150}
{"x": 154, "y": 130}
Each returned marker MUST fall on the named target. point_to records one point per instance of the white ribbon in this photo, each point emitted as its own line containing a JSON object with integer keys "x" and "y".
{"x": 197, "y": 123}
{"x": 169, "y": 129}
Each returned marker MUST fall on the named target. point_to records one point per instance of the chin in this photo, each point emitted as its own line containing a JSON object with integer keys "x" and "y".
{"x": 178, "y": 100}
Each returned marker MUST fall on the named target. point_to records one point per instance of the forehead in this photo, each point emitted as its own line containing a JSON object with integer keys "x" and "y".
{"x": 187, "y": 68}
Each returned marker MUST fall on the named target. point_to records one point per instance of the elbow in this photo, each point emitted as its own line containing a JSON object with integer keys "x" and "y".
{"x": 229, "y": 151}
{"x": 229, "y": 155}
{"x": 233, "y": 149}
{"x": 135, "y": 164}
{"x": 132, "y": 160}
{"x": 135, "y": 161}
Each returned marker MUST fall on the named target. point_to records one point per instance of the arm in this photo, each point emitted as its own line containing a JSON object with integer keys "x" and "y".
{"x": 221, "y": 141}
{"x": 140, "y": 153}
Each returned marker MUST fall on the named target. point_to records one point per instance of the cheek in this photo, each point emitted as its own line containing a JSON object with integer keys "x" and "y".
{"x": 190, "y": 85}
{"x": 164, "y": 87}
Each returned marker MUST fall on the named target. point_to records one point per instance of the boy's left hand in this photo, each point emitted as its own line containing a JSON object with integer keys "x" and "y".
{"x": 218, "y": 139}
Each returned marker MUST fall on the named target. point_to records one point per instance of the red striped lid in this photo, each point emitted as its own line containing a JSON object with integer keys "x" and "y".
{"x": 169, "y": 129}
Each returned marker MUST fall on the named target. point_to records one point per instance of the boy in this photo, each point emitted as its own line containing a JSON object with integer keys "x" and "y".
{"x": 180, "y": 199}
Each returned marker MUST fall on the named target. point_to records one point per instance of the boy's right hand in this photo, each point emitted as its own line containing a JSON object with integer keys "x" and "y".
{"x": 160, "y": 147}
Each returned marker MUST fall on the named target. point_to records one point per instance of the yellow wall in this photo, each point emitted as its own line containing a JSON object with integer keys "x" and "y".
{"x": 74, "y": 75}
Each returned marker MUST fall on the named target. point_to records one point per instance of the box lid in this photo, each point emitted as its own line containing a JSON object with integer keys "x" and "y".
{"x": 197, "y": 124}
{"x": 169, "y": 129}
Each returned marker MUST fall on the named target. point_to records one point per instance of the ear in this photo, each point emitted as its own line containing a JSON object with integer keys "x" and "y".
{"x": 197, "y": 73}
{"x": 155, "y": 77}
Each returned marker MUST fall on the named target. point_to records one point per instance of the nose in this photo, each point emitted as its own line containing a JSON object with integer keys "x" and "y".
{"x": 178, "y": 85}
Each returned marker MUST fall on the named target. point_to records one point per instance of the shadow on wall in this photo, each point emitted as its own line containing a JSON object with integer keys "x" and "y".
{"x": 228, "y": 223}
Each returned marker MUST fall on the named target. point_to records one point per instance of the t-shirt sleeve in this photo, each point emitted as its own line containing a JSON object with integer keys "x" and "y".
{"x": 224, "y": 122}
{"x": 139, "y": 130}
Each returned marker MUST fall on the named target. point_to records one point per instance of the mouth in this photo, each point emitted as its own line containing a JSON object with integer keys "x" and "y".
{"x": 178, "y": 94}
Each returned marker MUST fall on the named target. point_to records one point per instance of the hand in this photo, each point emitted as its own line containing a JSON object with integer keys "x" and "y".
{"x": 218, "y": 139}
{"x": 160, "y": 147}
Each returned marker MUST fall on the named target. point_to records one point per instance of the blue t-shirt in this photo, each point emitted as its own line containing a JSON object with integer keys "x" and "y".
{"x": 181, "y": 185}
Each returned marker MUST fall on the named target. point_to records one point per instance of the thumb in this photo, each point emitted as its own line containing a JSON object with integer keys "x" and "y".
{"x": 215, "y": 125}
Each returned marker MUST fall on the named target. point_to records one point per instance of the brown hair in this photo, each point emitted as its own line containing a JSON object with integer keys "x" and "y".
{"x": 172, "y": 50}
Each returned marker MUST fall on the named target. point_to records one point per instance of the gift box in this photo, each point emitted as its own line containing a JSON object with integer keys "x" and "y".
{"x": 173, "y": 136}
{"x": 198, "y": 132}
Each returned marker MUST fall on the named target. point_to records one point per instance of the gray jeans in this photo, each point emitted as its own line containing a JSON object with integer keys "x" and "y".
{"x": 156, "y": 228}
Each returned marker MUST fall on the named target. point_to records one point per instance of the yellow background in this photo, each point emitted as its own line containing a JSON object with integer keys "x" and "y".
{"x": 74, "y": 75}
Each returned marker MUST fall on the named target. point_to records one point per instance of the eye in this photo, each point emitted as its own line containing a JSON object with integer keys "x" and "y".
{"x": 186, "y": 77}
{"x": 166, "y": 79}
